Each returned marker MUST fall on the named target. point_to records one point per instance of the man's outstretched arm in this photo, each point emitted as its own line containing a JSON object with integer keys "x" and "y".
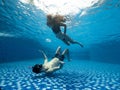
{"x": 45, "y": 57}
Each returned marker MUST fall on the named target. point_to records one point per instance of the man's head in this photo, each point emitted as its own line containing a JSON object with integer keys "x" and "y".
{"x": 37, "y": 68}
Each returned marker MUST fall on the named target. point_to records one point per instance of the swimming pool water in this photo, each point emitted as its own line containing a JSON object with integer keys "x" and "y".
{"x": 23, "y": 32}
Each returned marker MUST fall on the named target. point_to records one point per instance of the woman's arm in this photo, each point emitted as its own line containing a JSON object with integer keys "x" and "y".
{"x": 62, "y": 24}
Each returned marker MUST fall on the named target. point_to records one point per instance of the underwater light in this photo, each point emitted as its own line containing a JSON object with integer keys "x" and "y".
{"x": 6, "y": 35}
{"x": 48, "y": 40}
{"x": 63, "y": 7}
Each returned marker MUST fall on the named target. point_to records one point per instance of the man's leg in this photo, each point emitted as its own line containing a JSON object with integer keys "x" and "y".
{"x": 66, "y": 52}
{"x": 58, "y": 50}
{"x": 57, "y": 53}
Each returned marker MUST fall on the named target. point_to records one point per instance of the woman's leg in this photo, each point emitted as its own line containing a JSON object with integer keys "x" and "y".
{"x": 75, "y": 42}
{"x": 66, "y": 42}
{"x": 61, "y": 36}
{"x": 68, "y": 39}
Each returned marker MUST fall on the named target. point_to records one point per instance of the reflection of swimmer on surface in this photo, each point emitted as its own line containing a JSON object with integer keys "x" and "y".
{"x": 55, "y": 22}
{"x": 51, "y": 66}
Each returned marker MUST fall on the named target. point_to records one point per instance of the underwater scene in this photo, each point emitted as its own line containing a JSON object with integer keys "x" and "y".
{"x": 59, "y": 44}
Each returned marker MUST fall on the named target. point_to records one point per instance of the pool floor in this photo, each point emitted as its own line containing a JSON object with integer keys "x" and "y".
{"x": 75, "y": 75}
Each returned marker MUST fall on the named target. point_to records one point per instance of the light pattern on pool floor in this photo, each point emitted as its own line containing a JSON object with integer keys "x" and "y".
{"x": 75, "y": 75}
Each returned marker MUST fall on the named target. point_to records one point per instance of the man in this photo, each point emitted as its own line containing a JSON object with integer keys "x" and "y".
{"x": 55, "y": 22}
{"x": 51, "y": 66}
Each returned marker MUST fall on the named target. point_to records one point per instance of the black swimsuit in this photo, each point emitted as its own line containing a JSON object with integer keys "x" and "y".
{"x": 56, "y": 29}
{"x": 60, "y": 57}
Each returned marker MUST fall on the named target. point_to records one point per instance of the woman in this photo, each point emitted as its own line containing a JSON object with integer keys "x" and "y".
{"x": 55, "y": 22}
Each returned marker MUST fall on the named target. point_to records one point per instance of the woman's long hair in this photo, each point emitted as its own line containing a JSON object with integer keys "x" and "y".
{"x": 51, "y": 20}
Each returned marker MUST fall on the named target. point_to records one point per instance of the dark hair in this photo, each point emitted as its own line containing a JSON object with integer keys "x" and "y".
{"x": 37, "y": 68}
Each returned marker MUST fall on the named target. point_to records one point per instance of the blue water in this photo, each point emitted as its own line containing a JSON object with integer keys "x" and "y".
{"x": 23, "y": 32}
